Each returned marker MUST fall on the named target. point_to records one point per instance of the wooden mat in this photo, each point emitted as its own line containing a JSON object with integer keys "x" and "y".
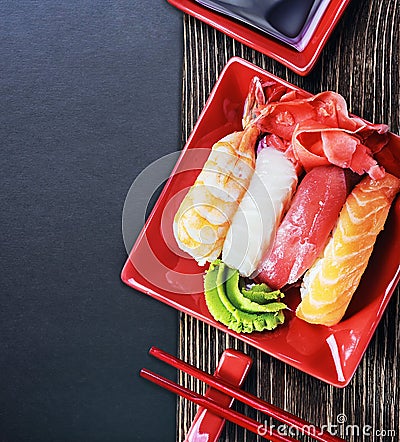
{"x": 360, "y": 61}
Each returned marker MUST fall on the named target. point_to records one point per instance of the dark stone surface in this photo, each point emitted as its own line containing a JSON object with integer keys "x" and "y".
{"x": 90, "y": 95}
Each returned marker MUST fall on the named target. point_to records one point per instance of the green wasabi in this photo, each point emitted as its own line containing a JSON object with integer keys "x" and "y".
{"x": 242, "y": 310}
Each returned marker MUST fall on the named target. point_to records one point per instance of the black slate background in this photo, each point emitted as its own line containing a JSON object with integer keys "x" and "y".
{"x": 90, "y": 94}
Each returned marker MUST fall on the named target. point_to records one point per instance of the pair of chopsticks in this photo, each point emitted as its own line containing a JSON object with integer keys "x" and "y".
{"x": 226, "y": 413}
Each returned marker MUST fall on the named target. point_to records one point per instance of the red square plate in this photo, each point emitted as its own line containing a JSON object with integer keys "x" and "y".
{"x": 158, "y": 268}
{"x": 299, "y": 62}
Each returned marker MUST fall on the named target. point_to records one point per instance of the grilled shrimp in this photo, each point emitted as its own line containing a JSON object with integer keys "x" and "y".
{"x": 204, "y": 216}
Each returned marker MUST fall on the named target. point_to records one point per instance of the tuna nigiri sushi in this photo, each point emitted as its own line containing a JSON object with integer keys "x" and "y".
{"x": 331, "y": 282}
{"x": 254, "y": 224}
{"x": 305, "y": 229}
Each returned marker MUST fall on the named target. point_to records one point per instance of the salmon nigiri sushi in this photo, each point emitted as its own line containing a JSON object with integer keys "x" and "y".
{"x": 305, "y": 229}
{"x": 330, "y": 283}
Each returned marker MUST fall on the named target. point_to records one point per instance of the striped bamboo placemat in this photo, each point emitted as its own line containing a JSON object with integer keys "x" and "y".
{"x": 360, "y": 61}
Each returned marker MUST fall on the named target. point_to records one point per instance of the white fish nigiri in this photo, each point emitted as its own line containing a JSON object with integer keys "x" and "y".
{"x": 260, "y": 211}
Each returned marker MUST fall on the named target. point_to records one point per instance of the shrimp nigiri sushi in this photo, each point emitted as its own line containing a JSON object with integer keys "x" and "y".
{"x": 205, "y": 214}
{"x": 306, "y": 227}
{"x": 254, "y": 224}
{"x": 330, "y": 283}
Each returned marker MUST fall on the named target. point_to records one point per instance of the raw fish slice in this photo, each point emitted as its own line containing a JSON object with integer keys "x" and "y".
{"x": 331, "y": 282}
{"x": 305, "y": 229}
{"x": 327, "y": 109}
{"x": 316, "y": 145}
{"x": 254, "y": 224}
{"x": 319, "y": 131}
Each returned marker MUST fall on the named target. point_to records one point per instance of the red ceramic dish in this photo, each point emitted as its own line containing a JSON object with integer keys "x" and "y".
{"x": 158, "y": 268}
{"x": 299, "y": 62}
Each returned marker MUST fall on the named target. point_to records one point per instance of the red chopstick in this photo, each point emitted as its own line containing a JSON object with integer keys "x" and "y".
{"x": 247, "y": 398}
{"x": 226, "y": 413}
